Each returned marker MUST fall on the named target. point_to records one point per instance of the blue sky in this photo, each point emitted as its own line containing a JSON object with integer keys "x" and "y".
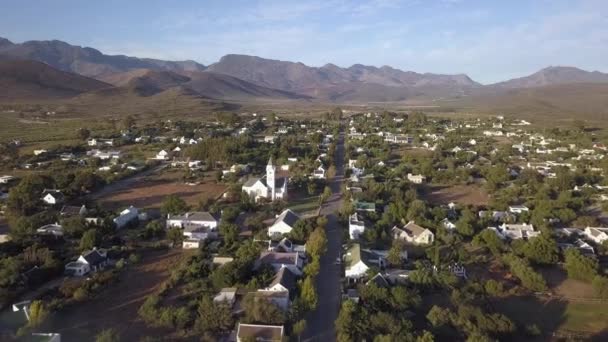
{"x": 488, "y": 40}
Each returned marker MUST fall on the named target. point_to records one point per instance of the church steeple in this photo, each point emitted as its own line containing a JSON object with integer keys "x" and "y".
{"x": 270, "y": 178}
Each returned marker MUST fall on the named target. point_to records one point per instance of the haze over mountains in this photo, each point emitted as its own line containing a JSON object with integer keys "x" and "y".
{"x": 246, "y": 78}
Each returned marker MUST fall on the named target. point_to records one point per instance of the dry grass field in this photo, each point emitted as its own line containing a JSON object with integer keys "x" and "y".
{"x": 460, "y": 194}
{"x": 116, "y": 307}
{"x": 150, "y": 191}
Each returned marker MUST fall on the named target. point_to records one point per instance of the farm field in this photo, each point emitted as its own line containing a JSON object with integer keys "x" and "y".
{"x": 461, "y": 194}
{"x": 150, "y": 191}
{"x": 116, "y": 307}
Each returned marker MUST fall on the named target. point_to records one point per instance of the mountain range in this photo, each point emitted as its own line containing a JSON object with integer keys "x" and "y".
{"x": 68, "y": 71}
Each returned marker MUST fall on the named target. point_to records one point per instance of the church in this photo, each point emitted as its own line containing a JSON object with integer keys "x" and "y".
{"x": 269, "y": 187}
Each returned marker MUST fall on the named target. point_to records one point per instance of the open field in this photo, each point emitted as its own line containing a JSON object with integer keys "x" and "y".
{"x": 116, "y": 307}
{"x": 460, "y": 194}
{"x": 150, "y": 191}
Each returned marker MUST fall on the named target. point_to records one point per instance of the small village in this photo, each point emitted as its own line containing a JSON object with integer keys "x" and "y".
{"x": 257, "y": 226}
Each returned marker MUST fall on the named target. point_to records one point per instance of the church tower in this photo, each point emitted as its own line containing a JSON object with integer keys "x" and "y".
{"x": 271, "y": 170}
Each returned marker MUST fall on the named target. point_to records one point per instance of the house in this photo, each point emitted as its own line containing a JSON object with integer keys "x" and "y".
{"x": 72, "y": 210}
{"x": 269, "y": 139}
{"x": 90, "y": 261}
{"x": 227, "y": 296}
{"x": 413, "y": 233}
{"x": 268, "y": 187}
{"x": 358, "y": 261}
{"x": 51, "y": 229}
{"x": 515, "y": 231}
{"x": 191, "y": 244}
{"x": 319, "y": 173}
{"x": 259, "y": 333}
{"x": 596, "y": 234}
{"x": 162, "y": 155}
{"x": 191, "y": 220}
{"x": 356, "y": 226}
{"x": 518, "y": 209}
{"x": 447, "y": 224}
{"x": 284, "y": 280}
{"x": 198, "y": 225}
{"x": 416, "y": 179}
{"x": 4, "y": 233}
{"x": 126, "y": 216}
{"x": 52, "y": 196}
{"x": 284, "y": 223}
{"x": 378, "y": 280}
{"x": 279, "y": 298}
{"x": 278, "y": 260}
{"x": 285, "y": 245}
{"x": 7, "y": 179}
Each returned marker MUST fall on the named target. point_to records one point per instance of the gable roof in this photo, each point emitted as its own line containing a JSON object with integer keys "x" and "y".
{"x": 278, "y": 258}
{"x": 378, "y": 280}
{"x": 57, "y": 194}
{"x": 413, "y": 229}
{"x": 194, "y": 216}
{"x": 288, "y": 217}
{"x": 93, "y": 257}
{"x": 284, "y": 277}
{"x": 251, "y": 181}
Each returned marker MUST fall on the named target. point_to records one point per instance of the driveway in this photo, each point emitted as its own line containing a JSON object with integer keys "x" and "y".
{"x": 320, "y": 323}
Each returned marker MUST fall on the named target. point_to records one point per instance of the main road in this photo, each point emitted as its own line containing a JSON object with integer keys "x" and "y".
{"x": 320, "y": 322}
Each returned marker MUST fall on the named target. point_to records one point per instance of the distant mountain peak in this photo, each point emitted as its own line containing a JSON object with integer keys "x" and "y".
{"x": 554, "y": 75}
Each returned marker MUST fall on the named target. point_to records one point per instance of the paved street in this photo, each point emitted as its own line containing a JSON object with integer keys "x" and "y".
{"x": 320, "y": 323}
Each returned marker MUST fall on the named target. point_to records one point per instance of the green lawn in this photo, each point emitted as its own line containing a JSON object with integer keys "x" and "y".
{"x": 304, "y": 205}
{"x": 587, "y": 317}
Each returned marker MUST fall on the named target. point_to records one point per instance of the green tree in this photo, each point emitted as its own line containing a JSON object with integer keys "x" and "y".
{"x": 175, "y": 235}
{"x": 83, "y": 133}
{"x": 541, "y": 250}
{"x": 600, "y": 286}
{"x": 173, "y": 205}
{"x": 108, "y": 335}
{"x": 89, "y": 240}
{"x": 298, "y": 328}
{"x": 214, "y": 317}
{"x": 394, "y": 253}
{"x": 308, "y": 293}
{"x": 38, "y": 313}
{"x": 346, "y": 322}
{"x": 579, "y": 266}
{"x": 529, "y": 278}
{"x": 317, "y": 243}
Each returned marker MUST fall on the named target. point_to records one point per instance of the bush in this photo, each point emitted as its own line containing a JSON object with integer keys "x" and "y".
{"x": 493, "y": 287}
{"x": 80, "y": 294}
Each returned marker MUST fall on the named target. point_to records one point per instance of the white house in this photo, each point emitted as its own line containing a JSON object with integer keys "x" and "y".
{"x": 162, "y": 155}
{"x": 416, "y": 179}
{"x": 319, "y": 173}
{"x": 358, "y": 261}
{"x": 515, "y": 231}
{"x": 518, "y": 209}
{"x": 52, "y": 196}
{"x": 596, "y": 234}
{"x": 447, "y": 224}
{"x": 284, "y": 223}
{"x": 284, "y": 280}
{"x": 89, "y": 261}
{"x": 226, "y": 296}
{"x": 198, "y": 225}
{"x": 356, "y": 226}
{"x": 51, "y": 229}
{"x": 268, "y": 187}
{"x": 414, "y": 234}
{"x": 126, "y": 216}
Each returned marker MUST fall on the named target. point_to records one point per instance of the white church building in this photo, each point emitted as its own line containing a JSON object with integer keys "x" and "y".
{"x": 269, "y": 187}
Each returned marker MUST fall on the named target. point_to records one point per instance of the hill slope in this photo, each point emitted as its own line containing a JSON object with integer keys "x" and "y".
{"x": 299, "y": 77}
{"x": 21, "y": 79}
{"x": 554, "y": 76}
{"x": 88, "y": 61}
